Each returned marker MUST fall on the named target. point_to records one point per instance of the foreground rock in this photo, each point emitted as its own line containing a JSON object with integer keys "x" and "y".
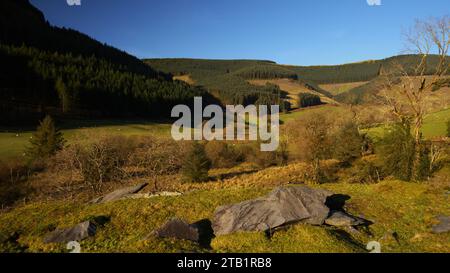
{"x": 179, "y": 229}
{"x": 76, "y": 233}
{"x": 443, "y": 226}
{"x": 342, "y": 219}
{"x": 284, "y": 205}
{"x": 119, "y": 194}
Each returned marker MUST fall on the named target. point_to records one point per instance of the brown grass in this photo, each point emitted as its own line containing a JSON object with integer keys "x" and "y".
{"x": 293, "y": 88}
{"x": 338, "y": 88}
{"x": 185, "y": 78}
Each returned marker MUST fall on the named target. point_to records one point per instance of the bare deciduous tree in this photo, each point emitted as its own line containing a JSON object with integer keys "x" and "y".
{"x": 407, "y": 85}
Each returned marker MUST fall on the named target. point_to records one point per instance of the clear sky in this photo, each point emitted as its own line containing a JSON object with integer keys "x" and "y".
{"x": 302, "y": 32}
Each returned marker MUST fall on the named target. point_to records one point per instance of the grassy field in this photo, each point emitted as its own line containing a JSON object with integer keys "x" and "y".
{"x": 435, "y": 125}
{"x": 13, "y": 142}
{"x": 324, "y": 109}
{"x": 402, "y": 212}
{"x": 339, "y": 88}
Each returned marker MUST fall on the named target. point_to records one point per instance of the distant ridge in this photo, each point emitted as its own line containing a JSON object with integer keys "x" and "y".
{"x": 50, "y": 70}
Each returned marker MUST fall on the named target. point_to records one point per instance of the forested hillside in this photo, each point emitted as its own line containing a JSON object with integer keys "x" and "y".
{"x": 70, "y": 74}
{"x": 228, "y": 78}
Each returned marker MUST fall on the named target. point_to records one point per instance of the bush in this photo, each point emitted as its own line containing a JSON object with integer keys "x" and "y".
{"x": 267, "y": 159}
{"x": 364, "y": 171}
{"x": 46, "y": 141}
{"x": 398, "y": 151}
{"x": 155, "y": 157}
{"x": 263, "y": 159}
{"x": 222, "y": 154}
{"x": 102, "y": 161}
{"x": 13, "y": 177}
{"x": 196, "y": 164}
{"x": 308, "y": 99}
{"x": 348, "y": 144}
{"x": 313, "y": 143}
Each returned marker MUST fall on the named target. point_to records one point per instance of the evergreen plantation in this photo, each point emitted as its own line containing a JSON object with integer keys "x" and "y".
{"x": 228, "y": 78}
{"x": 86, "y": 86}
{"x": 69, "y": 74}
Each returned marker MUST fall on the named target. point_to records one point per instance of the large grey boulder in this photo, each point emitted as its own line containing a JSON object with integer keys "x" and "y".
{"x": 179, "y": 229}
{"x": 342, "y": 219}
{"x": 119, "y": 194}
{"x": 443, "y": 226}
{"x": 284, "y": 205}
{"x": 78, "y": 232}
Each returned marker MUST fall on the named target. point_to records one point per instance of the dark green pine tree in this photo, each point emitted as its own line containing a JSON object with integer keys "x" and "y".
{"x": 196, "y": 164}
{"x": 46, "y": 141}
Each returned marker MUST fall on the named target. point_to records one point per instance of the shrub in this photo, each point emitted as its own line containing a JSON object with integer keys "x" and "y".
{"x": 196, "y": 164}
{"x": 308, "y": 99}
{"x": 313, "y": 143}
{"x": 269, "y": 158}
{"x": 263, "y": 159}
{"x": 155, "y": 157}
{"x": 13, "y": 175}
{"x": 348, "y": 144}
{"x": 222, "y": 154}
{"x": 398, "y": 151}
{"x": 102, "y": 161}
{"x": 364, "y": 171}
{"x": 46, "y": 141}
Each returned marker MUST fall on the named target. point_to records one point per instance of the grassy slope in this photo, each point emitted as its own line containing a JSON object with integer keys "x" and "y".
{"x": 338, "y": 88}
{"x": 293, "y": 88}
{"x": 13, "y": 142}
{"x": 324, "y": 109}
{"x": 435, "y": 125}
{"x": 408, "y": 209}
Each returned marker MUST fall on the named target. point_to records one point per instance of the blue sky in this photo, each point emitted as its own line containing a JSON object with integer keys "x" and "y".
{"x": 302, "y": 32}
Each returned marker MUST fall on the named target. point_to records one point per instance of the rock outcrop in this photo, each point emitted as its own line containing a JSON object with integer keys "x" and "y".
{"x": 443, "y": 226}
{"x": 119, "y": 194}
{"x": 284, "y": 205}
{"x": 342, "y": 219}
{"x": 78, "y": 232}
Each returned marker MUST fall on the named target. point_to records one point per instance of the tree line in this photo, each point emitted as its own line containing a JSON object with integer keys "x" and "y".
{"x": 33, "y": 81}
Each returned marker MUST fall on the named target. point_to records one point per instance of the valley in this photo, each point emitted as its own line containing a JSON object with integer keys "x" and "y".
{"x": 87, "y": 153}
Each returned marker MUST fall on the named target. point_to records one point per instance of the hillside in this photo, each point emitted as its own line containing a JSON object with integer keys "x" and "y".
{"x": 228, "y": 79}
{"x": 370, "y": 92}
{"x": 402, "y": 214}
{"x": 69, "y": 74}
{"x": 294, "y": 87}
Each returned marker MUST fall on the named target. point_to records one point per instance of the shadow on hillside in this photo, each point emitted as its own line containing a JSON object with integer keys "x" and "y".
{"x": 344, "y": 236}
